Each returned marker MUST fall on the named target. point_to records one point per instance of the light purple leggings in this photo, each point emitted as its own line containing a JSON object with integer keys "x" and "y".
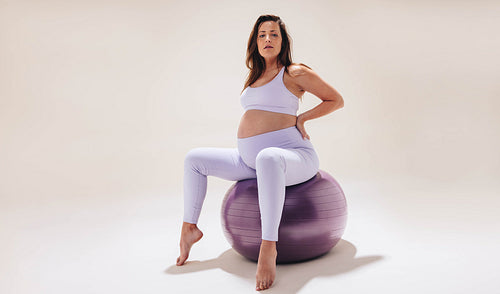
{"x": 277, "y": 159}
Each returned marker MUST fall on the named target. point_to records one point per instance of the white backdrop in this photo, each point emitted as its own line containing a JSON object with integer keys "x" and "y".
{"x": 101, "y": 100}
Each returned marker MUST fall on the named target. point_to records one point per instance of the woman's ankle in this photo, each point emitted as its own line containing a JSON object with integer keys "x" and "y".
{"x": 266, "y": 244}
{"x": 189, "y": 226}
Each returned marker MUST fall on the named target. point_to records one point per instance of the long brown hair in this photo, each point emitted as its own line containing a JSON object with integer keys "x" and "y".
{"x": 254, "y": 61}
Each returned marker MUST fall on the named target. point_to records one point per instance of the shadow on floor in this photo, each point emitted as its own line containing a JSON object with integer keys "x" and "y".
{"x": 290, "y": 278}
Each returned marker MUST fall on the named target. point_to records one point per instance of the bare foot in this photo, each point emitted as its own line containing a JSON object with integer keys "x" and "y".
{"x": 266, "y": 266}
{"x": 190, "y": 234}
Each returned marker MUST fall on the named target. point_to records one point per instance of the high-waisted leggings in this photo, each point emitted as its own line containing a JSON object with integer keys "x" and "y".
{"x": 277, "y": 159}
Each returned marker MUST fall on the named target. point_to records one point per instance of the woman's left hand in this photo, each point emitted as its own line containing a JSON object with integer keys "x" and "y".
{"x": 301, "y": 128}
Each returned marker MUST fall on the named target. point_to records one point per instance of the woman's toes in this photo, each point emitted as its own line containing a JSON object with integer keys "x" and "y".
{"x": 179, "y": 261}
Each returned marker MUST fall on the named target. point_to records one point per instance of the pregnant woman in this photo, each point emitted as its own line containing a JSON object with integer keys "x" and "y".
{"x": 273, "y": 145}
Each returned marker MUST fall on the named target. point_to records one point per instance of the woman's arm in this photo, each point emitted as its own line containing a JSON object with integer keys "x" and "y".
{"x": 310, "y": 82}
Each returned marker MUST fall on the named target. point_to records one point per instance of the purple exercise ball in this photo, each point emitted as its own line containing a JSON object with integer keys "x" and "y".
{"x": 313, "y": 220}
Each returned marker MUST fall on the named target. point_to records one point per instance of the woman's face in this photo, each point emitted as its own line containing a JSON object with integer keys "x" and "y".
{"x": 269, "y": 39}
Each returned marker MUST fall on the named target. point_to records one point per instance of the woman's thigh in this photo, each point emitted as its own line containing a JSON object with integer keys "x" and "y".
{"x": 288, "y": 138}
{"x": 225, "y": 163}
{"x": 299, "y": 164}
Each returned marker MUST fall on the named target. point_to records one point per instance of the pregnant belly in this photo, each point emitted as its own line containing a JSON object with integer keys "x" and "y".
{"x": 256, "y": 121}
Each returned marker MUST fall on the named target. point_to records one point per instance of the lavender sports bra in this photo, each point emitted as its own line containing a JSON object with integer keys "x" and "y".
{"x": 273, "y": 96}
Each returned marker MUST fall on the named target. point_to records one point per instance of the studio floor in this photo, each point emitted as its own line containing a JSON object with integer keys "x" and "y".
{"x": 403, "y": 236}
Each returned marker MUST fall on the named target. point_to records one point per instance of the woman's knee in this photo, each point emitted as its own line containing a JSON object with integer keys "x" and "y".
{"x": 195, "y": 156}
{"x": 270, "y": 156}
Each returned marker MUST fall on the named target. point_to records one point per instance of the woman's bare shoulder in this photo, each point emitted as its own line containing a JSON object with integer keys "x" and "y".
{"x": 297, "y": 69}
